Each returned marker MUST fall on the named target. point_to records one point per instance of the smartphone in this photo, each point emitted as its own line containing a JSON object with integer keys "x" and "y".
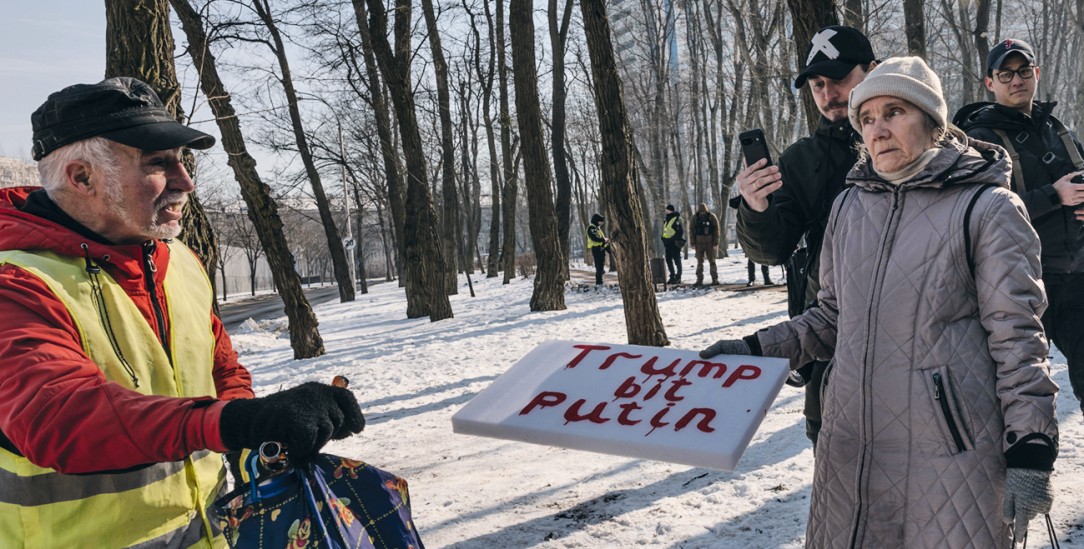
{"x": 754, "y": 146}
{"x": 1078, "y": 178}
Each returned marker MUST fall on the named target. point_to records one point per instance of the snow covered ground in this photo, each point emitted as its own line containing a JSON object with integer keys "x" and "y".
{"x": 471, "y": 492}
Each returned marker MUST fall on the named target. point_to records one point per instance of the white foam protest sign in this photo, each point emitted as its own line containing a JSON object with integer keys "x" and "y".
{"x": 646, "y": 402}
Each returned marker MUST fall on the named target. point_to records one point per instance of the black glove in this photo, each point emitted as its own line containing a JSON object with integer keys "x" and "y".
{"x": 303, "y": 418}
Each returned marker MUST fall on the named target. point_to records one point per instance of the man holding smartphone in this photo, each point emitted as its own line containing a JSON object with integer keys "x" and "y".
{"x": 1047, "y": 166}
{"x": 782, "y": 206}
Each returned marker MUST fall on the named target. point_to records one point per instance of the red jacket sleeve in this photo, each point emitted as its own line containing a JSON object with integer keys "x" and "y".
{"x": 57, "y": 408}
{"x": 231, "y": 379}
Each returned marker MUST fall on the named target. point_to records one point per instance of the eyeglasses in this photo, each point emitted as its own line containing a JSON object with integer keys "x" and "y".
{"x": 1025, "y": 73}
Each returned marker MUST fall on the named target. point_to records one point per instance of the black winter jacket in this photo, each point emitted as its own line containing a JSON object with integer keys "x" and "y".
{"x": 814, "y": 171}
{"x": 1035, "y": 136}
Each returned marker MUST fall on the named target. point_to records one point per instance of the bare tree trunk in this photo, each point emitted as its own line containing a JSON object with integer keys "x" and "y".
{"x": 619, "y": 187}
{"x": 960, "y": 31}
{"x": 807, "y": 17}
{"x": 340, "y": 266}
{"x": 982, "y": 41}
{"x": 854, "y": 15}
{"x": 486, "y": 78}
{"x": 451, "y": 201}
{"x": 558, "y": 40}
{"x": 139, "y": 44}
{"x": 262, "y": 209}
{"x": 915, "y": 27}
{"x": 385, "y": 133}
{"x": 424, "y": 261}
{"x": 549, "y": 287}
{"x": 508, "y": 193}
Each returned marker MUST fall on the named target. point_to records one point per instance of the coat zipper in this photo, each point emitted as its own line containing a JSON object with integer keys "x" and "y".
{"x": 941, "y": 396}
{"x": 93, "y": 271}
{"x": 152, "y": 289}
{"x": 869, "y": 330}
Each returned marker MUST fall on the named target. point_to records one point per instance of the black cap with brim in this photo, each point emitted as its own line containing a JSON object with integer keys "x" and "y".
{"x": 122, "y": 109}
{"x": 161, "y": 136}
{"x": 836, "y": 70}
{"x": 834, "y": 52}
{"x": 999, "y": 53}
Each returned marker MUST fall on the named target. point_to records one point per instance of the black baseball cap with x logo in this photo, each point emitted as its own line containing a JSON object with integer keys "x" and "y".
{"x": 835, "y": 51}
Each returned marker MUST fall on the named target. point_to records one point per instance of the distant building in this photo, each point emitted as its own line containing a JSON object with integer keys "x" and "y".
{"x": 16, "y": 173}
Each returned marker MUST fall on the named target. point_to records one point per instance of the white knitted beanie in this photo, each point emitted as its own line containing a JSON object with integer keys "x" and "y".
{"x": 907, "y": 78}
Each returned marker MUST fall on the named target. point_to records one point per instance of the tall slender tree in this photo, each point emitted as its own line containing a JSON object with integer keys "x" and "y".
{"x": 385, "y": 132}
{"x": 262, "y": 209}
{"x": 485, "y": 77}
{"x": 340, "y": 265}
{"x": 450, "y": 217}
{"x": 549, "y": 287}
{"x": 619, "y": 184}
{"x": 509, "y": 191}
{"x": 423, "y": 259}
{"x": 559, "y": 23}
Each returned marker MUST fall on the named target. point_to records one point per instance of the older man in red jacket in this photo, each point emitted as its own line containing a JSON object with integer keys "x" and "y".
{"x": 118, "y": 384}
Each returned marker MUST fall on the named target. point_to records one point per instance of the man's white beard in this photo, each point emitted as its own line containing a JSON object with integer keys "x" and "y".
{"x": 152, "y": 231}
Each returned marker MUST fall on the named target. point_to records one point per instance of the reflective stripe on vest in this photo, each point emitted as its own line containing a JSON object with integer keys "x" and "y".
{"x": 668, "y": 228}
{"x": 165, "y": 504}
{"x": 595, "y": 243}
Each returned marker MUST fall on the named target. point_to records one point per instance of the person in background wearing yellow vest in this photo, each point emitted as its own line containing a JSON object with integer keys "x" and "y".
{"x": 119, "y": 386}
{"x": 673, "y": 239}
{"x": 1046, "y": 157}
{"x": 597, "y": 243}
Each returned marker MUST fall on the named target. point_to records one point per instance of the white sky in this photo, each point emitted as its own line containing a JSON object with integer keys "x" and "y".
{"x": 45, "y": 45}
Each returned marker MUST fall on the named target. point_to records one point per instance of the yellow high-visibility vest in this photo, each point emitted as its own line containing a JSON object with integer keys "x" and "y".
{"x": 594, "y": 243}
{"x": 165, "y": 504}
{"x": 668, "y": 228}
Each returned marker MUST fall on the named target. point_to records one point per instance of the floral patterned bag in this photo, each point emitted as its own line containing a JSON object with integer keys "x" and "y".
{"x": 332, "y": 502}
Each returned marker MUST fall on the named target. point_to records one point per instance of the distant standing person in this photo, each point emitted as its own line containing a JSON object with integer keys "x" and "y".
{"x": 673, "y": 239}
{"x": 1045, "y": 157}
{"x": 597, "y": 243}
{"x": 752, "y": 267}
{"x": 705, "y": 239}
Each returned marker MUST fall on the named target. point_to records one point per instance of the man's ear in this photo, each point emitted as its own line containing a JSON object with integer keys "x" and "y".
{"x": 989, "y": 83}
{"x": 78, "y": 177}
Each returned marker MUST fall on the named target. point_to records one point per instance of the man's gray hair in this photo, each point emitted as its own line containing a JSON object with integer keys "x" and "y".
{"x": 99, "y": 152}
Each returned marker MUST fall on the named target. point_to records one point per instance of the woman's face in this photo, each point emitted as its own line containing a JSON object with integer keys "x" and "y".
{"x": 894, "y": 131}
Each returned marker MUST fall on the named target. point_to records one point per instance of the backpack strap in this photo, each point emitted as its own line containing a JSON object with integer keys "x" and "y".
{"x": 967, "y": 226}
{"x": 1017, "y": 169}
{"x": 1070, "y": 146}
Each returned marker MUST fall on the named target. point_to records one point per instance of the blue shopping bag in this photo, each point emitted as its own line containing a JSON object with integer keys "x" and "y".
{"x": 332, "y": 502}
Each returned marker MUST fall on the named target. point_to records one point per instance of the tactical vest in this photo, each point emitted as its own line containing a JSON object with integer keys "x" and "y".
{"x": 161, "y": 505}
{"x": 595, "y": 243}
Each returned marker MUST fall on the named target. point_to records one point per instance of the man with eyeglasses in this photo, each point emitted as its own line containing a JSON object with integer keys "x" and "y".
{"x": 1047, "y": 167}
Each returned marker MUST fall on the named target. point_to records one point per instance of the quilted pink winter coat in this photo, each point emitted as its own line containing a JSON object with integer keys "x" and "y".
{"x": 936, "y": 370}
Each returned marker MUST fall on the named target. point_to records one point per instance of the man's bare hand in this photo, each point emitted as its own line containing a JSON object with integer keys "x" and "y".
{"x": 756, "y": 182}
{"x": 1071, "y": 194}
